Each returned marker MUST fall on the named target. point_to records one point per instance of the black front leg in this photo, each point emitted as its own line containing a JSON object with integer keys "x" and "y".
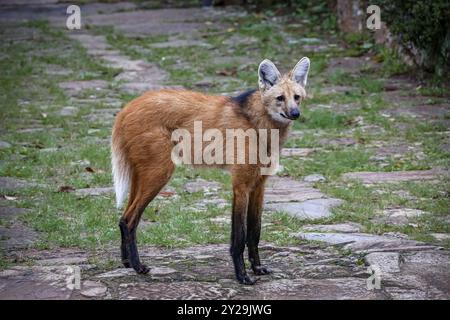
{"x": 254, "y": 228}
{"x": 238, "y": 236}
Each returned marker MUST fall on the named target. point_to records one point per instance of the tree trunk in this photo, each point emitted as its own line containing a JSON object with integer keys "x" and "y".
{"x": 351, "y": 14}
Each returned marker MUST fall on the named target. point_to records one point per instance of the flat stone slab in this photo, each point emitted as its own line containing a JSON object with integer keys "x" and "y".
{"x": 297, "y": 198}
{"x": 349, "y": 227}
{"x": 93, "y": 289}
{"x": 36, "y": 283}
{"x": 387, "y": 262}
{"x": 203, "y": 204}
{"x": 95, "y": 45}
{"x": 239, "y": 39}
{"x": 117, "y": 273}
{"x": 11, "y": 213}
{"x": 94, "y": 191}
{"x": 428, "y": 112}
{"x": 117, "y": 60}
{"x": 241, "y": 61}
{"x": 63, "y": 261}
{"x": 17, "y": 236}
{"x": 318, "y": 289}
{"x": 141, "y": 87}
{"x": 180, "y": 290}
{"x": 395, "y": 176}
{"x": 309, "y": 209}
{"x": 52, "y": 257}
{"x": 336, "y": 142}
{"x": 106, "y": 102}
{"x": 20, "y": 33}
{"x": 398, "y": 216}
{"x": 440, "y": 236}
{"x": 221, "y": 220}
{"x": 201, "y": 185}
{"x": 349, "y": 64}
{"x": 161, "y": 271}
{"x": 74, "y": 88}
{"x": 128, "y": 272}
{"x": 176, "y": 43}
{"x": 68, "y": 111}
{"x": 289, "y": 190}
{"x": 57, "y": 70}
{"x": 364, "y": 242}
{"x": 413, "y": 275}
{"x": 4, "y": 145}
{"x": 316, "y": 177}
{"x": 9, "y": 184}
{"x": 296, "y": 152}
{"x": 162, "y": 21}
{"x": 395, "y": 149}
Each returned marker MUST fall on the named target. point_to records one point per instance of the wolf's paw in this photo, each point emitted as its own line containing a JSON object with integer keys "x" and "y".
{"x": 141, "y": 269}
{"x": 260, "y": 271}
{"x": 245, "y": 279}
{"x": 126, "y": 263}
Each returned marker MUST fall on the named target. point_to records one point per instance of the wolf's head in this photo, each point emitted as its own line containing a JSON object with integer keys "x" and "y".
{"x": 282, "y": 95}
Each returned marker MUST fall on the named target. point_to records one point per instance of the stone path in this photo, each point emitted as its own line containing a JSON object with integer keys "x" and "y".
{"x": 137, "y": 76}
{"x": 298, "y": 199}
{"x": 330, "y": 261}
{"x": 396, "y": 176}
{"x": 205, "y": 272}
{"x": 14, "y": 234}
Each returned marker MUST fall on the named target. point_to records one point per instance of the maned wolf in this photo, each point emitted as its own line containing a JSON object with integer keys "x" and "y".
{"x": 142, "y": 145}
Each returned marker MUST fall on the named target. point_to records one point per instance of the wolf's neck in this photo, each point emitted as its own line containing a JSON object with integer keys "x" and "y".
{"x": 250, "y": 105}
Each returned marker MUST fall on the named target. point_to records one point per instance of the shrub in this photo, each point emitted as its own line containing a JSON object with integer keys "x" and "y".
{"x": 425, "y": 24}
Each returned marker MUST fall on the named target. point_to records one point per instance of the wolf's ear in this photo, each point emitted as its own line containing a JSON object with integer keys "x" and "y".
{"x": 268, "y": 74}
{"x": 300, "y": 72}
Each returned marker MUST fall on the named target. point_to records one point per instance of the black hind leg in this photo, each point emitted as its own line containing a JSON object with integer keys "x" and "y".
{"x": 125, "y": 234}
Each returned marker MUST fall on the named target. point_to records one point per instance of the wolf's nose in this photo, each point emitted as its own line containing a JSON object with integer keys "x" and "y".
{"x": 295, "y": 113}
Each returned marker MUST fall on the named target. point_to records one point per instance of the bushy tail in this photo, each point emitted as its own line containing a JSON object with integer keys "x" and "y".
{"x": 121, "y": 174}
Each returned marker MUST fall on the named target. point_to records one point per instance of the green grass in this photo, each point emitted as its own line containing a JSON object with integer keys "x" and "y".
{"x": 323, "y": 119}
{"x": 363, "y": 203}
{"x": 392, "y": 64}
{"x": 330, "y": 163}
{"x": 175, "y": 224}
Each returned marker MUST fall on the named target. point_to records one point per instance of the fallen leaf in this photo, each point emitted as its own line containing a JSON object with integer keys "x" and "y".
{"x": 89, "y": 169}
{"x": 9, "y": 198}
{"x": 66, "y": 189}
{"x": 166, "y": 194}
{"x": 227, "y": 72}
{"x": 390, "y": 87}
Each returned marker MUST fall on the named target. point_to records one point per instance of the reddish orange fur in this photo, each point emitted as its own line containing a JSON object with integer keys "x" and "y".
{"x": 142, "y": 136}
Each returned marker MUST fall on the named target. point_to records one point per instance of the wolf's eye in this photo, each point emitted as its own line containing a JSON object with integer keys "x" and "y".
{"x": 296, "y": 97}
{"x": 280, "y": 98}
